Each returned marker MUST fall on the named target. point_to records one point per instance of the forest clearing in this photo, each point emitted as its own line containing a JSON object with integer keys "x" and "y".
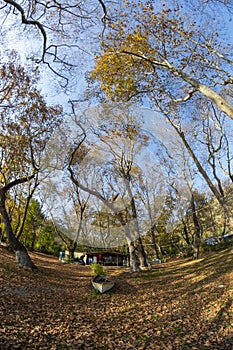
{"x": 116, "y": 136}
{"x": 180, "y": 304}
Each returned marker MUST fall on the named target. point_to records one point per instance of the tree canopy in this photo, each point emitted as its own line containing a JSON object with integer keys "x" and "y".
{"x": 172, "y": 57}
{"x": 166, "y": 56}
{"x": 26, "y": 126}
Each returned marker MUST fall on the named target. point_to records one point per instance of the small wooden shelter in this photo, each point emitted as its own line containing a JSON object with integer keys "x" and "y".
{"x": 103, "y": 257}
{"x": 107, "y": 258}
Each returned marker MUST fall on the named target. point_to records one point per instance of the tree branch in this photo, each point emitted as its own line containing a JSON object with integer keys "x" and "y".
{"x": 16, "y": 182}
{"x": 30, "y": 22}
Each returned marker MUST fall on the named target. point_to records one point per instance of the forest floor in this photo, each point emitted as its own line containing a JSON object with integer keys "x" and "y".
{"x": 181, "y": 304}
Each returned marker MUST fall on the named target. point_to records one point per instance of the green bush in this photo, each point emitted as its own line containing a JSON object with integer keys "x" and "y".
{"x": 97, "y": 269}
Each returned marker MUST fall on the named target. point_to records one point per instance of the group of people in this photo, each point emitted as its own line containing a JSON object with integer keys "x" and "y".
{"x": 88, "y": 259}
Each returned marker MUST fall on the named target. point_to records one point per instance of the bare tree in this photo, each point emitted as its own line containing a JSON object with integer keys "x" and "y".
{"x": 62, "y": 30}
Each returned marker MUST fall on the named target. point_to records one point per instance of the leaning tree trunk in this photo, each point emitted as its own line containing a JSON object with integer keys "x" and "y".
{"x": 22, "y": 257}
{"x": 219, "y": 196}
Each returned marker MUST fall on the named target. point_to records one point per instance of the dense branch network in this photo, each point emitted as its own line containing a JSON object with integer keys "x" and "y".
{"x": 57, "y": 24}
{"x": 30, "y": 22}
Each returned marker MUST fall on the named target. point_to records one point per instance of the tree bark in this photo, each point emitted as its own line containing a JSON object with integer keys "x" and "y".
{"x": 197, "y": 236}
{"x": 22, "y": 257}
{"x": 29, "y": 197}
{"x": 218, "y": 100}
{"x": 71, "y": 248}
{"x": 142, "y": 254}
{"x": 133, "y": 262}
{"x": 156, "y": 247}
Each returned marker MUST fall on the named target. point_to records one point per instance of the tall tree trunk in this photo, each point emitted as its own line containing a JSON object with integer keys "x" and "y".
{"x": 197, "y": 236}
{"x": 130, "y": 242}
{"x": 33, "y": 238}
{"x": 133, "y": 262}
{"x": 217, "y": 194}
{"x": 71, "y": 248}
{"x": 22, "y": 257}
{"x": 1, "y": 235}
{"x": 29, "y": 197}
{"x": 185, "y": 233}
{"x": 156, "y": 248}
{"x": 155, "y": 245}
{"x": 142, "y": 254}
{"x": 220, "y": 198}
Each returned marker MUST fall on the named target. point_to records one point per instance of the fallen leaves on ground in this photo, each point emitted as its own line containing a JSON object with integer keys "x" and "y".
{"x": 181, "y": 304}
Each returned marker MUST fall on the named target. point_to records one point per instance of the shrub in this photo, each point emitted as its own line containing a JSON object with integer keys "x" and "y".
{"x": 97, "y": 269}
